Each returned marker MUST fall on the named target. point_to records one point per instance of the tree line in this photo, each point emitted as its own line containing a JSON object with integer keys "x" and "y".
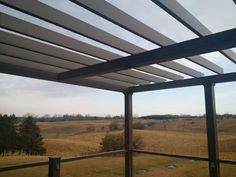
{"x": 67, "y": 117}
{"x": 20, "y": 136}
{"x": 171, "y": 116}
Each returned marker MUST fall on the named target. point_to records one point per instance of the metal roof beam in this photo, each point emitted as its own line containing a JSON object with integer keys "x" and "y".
{"x": 177, "y": 11}
{"x": 206, "y": 44}
{"x": 49, "y": 76}
{"x": 48, "y": 54}
{"x": 75, "y": 25}
{"x": 124, "y": 20}
{"x": 56, "y": 64}
{"x": 63, "y": 46}
{"x": 230, "y": 77}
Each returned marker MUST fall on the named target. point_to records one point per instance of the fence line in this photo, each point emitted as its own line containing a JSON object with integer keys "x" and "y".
{"x": 42, "y": 163}
{"x": 233, "y": 162}
{"x": 53, "y": 169}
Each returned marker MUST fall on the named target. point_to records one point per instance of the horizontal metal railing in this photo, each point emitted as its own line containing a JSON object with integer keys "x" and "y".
{"x": 233, "y": 162}
{"x": 93, "y": 155}
{"x": 42, "y": 163}
{"x": 63, "y": 160}
{"x": 171, "y": 155}
{"x": 23, "y": 165}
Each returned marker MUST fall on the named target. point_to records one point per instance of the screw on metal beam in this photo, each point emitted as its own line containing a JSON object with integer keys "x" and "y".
{"x": 54, "y": 166}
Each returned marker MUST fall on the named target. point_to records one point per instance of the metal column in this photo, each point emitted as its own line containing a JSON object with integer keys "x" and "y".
{"x": 128, "y": 135}
{"x": 213, "y": 152}
{"x": 54, "y": 166}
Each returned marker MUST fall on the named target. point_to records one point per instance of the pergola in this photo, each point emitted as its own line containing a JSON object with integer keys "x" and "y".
{"x": 41, "y": 51}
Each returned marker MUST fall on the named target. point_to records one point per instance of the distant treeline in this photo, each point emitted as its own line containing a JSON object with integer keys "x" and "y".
{"x": 70, "y": 117}
{"x": 170, "y": 116}
{"x": 166, "y": 117}
{"x": 225, "y": 116}
{"x": 20, "y": 136}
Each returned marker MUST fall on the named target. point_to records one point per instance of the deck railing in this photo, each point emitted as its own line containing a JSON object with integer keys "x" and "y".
{"x": 54, "y": 162}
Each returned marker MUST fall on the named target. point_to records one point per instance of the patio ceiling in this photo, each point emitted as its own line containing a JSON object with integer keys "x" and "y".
{"x": 41, "y": 41}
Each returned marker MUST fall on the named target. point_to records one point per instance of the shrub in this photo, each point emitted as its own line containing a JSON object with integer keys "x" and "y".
{"x": 139, "y": 125}
{"x": 114, "y": 126}
{"x": 150, "y": 124}
{"x": 112, "y": 142}
{"x": 137, "y": 142}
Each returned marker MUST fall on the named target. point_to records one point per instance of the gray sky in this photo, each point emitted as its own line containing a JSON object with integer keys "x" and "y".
{"x": 21, "y": 95}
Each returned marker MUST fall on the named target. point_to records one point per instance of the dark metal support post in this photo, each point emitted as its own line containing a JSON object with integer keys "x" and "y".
{"x": 128, "y": 135}
{"x": 213, "y": 152}
{"x": 54, "y": 167}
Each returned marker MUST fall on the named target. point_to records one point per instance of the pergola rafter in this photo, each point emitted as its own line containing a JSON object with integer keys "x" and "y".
{"x": 41, "y": 41}
{"x": 187, "y": 19}
{"x": 210, "y": 43}
{"x": 122, "y": 19}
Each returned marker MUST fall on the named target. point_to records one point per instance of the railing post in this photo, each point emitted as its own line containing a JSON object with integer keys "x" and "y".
{"x": 128, "y": 135}
{"x": 211, "y": 125}
{"x": 54, "y": 166}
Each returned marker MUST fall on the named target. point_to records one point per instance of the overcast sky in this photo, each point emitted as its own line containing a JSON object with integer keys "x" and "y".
{"x": 20, "y": 95}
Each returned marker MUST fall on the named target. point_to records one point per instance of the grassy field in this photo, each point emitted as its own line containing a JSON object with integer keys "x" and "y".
{"x": 186, "y": 136}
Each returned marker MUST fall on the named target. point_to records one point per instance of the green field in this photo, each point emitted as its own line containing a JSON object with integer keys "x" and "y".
{"x": 182, "y": 136}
